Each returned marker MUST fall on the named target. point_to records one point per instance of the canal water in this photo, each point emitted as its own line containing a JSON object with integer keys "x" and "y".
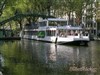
{"x": 28, "y": 57}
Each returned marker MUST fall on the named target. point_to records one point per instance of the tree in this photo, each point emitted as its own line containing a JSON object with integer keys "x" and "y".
{"x": 2, "y": 6}
{"x": 57, "y": 8}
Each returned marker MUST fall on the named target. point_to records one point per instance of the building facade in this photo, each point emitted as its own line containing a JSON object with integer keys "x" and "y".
{"x": 98, "y": 18}
{"x": 89, "y": 17}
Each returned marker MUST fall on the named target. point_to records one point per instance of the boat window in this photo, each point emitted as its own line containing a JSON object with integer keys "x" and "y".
{"x": 72, "y": 32}
{"x": 69, "y": 32}
{"x": 52, "y": 23}
{"x": 57, "y": 23}
{"x": 34, "y": 33}
{"x": 42, "y": 23}
{"x": 51, "y": 32}
{"x": 81, "y": 32}
{"x": 41, "y": 34}
{"x": 62, "y": 33}
{"x": 63, "y": 23}
{"x": 48, "y": 32}
{"x": 85, "y": 33}
{"x": 76, "y": 32}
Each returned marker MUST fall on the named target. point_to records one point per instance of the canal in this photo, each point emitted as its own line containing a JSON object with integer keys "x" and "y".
{"x": 28, "y": 57}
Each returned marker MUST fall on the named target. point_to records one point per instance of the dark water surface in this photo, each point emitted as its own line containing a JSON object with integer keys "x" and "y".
{"x": 28, "y": 57}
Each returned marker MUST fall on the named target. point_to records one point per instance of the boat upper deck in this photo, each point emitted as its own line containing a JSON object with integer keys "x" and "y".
{"x": 53, "y": 22}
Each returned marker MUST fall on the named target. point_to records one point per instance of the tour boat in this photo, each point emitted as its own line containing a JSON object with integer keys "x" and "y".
{"x": 56, "y": 30}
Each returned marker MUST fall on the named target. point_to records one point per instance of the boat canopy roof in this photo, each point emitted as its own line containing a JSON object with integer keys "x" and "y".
{"x": 61, "y": 27}
{"x": 70, "y": 27}
{"x": 54, "y": 19}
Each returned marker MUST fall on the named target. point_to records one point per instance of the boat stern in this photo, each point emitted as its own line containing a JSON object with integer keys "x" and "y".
{"x": 73, "y": 40}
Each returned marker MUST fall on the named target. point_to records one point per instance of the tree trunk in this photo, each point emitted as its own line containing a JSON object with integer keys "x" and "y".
{"x": 2, "y": 7}
{"x": 20, "y": 23}
{"x": 29, "y": 20}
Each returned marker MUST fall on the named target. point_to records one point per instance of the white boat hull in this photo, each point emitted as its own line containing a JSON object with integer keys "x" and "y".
{"x": 61, "y": 40}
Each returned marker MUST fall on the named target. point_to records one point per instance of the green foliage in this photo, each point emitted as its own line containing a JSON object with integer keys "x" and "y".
{"x": 57, "y": 7}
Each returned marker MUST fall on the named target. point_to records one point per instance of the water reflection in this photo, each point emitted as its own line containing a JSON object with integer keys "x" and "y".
{"x": 60, "y": 58}
{"x": 63, "y": 56}
{"x": 28, "y": 57}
